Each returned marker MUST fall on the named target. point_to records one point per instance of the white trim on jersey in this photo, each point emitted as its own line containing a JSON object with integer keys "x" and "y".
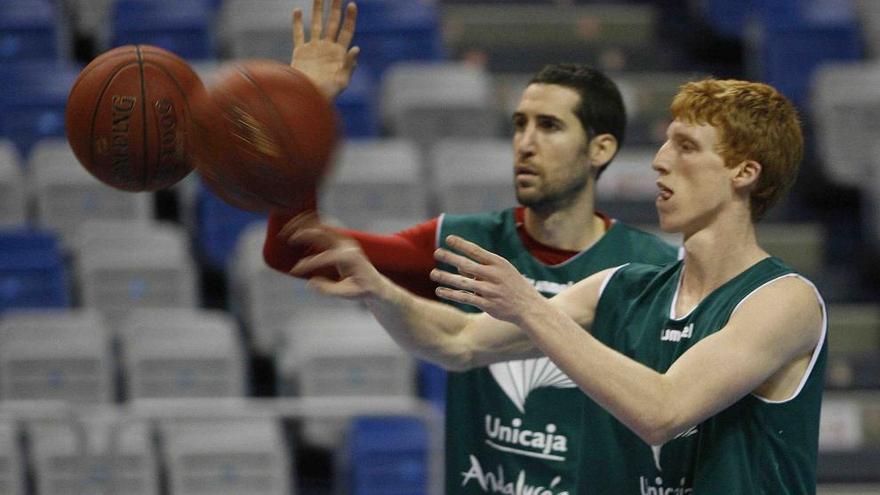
{"x": 819, "y": 345}
{"x": 608, "y": 279}
{"x": 439, "y": 229}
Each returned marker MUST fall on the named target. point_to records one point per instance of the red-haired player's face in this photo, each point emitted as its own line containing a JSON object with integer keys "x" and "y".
{"x": 694, "y": 183}
{"x": 551, "y": 162}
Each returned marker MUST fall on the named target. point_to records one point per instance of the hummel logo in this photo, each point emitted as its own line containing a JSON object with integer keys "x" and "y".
{"x": 670, "y": 335}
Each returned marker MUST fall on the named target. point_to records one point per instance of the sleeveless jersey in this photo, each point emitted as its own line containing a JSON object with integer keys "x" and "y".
{"x": 755, "y": 446}
{"x": 515, "y": 427}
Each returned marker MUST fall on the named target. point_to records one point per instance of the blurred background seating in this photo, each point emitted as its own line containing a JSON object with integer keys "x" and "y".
{"x": 110, "y": 298}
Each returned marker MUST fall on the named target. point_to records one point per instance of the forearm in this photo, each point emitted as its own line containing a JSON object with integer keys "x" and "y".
{"x": 405, "y": 258}
{"x": 445, "y": 335}
{"x": 635, "y": 394}
{"x": 428, "y": 329}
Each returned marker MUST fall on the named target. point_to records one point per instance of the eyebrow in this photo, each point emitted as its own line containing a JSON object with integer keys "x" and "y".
{"x": 681, "y": 135}
{"x": 539, "y": 116}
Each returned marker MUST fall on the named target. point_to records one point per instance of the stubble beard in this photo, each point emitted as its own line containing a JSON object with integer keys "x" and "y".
{"x": 547, "y": 200}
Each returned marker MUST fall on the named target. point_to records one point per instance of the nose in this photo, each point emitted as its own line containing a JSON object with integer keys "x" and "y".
{"x": 659, "y": 163}
{"x": 524, "y": 141}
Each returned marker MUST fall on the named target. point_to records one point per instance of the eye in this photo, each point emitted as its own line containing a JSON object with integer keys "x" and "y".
{"x": 549, "y": 124}
{"x": 687, "y": 146}
{"x": 519, "y": 122}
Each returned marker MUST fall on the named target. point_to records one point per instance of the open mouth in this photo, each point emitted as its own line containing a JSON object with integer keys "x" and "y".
{"x": 665, "y": 193}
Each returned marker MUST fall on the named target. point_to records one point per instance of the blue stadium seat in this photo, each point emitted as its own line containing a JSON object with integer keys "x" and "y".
{"x": 795, "y": 37}
{"x": 432, "y": 384}
{"x": 391, "y": 31}
{"x": 727, "y": 17}
{"x": 180, "y": 26}
{"x": 28, "y": 30}
{"x": 218, "y": 228}
{"x": 33, "y": 96}
{"x": 358, "y": 105}
{"x": 388, "y": 456}
{"x": 32, "y": 270}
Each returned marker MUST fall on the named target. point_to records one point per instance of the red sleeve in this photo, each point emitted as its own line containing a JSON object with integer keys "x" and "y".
{"x": 406, "y": 257}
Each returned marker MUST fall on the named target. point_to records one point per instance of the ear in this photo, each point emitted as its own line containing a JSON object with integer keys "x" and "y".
{"x": 746, "y": 174}
{"x": 602, "y": 149}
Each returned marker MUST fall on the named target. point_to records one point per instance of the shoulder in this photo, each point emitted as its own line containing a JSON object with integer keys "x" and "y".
{"x": 788, "y": 304}
{"x": 640, "y": 273}
{"x": 788, "y": 292}
{"x": 632, "y": 280}
{"x": 646, "y": 247}
{"x": 478, "y": 218}
{"x": 476, "y": 226}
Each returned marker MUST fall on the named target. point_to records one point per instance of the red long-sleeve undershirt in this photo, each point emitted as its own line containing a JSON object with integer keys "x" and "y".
{"x": 406, "y": 257}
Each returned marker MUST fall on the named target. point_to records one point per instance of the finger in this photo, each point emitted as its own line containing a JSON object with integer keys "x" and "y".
{"x": 330, "y": 287}
{"x": 351, "y": 59}
{"x": 320, "y": 238}
{"x": 459, "y": 282}
{"x": 296, "y": 223}
{"x": 462, "y": 264}
{"x": 314, "y": 263}
{"x": 347, "y": 32}
{"x": 333, "y": 24}
{"x": 470, "y": 249}
{"x": 462, "y": 297}
{"x": 317, "y": 19}
{"x": 299, "y": 37}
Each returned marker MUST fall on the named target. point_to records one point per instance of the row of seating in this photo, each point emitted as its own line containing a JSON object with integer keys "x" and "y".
{"x": 414, "y": 100}
{"x": 132, "y": 276}
{"x": 786, "y": 40}
{"x": 846, "y": 112}
{"x": 382, "y": 185}
{"x": 108, "y": 448}
{"x": 107, "y": 451}
{"x": 389, "y": 31}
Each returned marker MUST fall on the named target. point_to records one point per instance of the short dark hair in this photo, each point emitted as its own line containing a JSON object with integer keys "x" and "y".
{"x": 601, "y": 110}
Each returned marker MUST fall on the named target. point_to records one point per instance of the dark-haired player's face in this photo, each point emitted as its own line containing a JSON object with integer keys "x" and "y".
{"x": 551, "y": 161}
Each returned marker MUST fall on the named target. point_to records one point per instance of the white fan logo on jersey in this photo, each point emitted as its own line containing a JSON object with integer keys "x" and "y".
{"x": 518, "y": 378}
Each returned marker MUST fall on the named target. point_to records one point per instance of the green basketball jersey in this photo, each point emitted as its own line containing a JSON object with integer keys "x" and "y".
{"x": 515, "y": 427}
{"x": 755, "y": 446}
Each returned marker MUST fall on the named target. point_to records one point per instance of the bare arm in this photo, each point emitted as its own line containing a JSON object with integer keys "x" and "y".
{"x": 772, "y": 335}
{"x": 326, "y": 58}
{"x": 431, "y": 330}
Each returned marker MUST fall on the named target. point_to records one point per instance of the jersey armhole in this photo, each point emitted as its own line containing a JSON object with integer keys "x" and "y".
{"x": 608, "y": 279}
{"x": 440, "y": 220}
{"x": 816, "y": 351}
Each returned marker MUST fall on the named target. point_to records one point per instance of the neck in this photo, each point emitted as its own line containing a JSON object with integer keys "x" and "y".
{"x": 716, "y": 254}
{"x": 572, "y": 228}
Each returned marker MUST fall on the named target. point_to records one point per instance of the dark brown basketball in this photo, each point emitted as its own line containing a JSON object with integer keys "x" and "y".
{"x": 263, "y": 136}
{"x": 127, "y": 117}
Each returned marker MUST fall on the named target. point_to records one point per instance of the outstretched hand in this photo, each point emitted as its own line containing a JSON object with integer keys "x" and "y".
{"x": 357, "y": 277}
{"x": 326, "y": 57}
{"x": 484, "y": 280}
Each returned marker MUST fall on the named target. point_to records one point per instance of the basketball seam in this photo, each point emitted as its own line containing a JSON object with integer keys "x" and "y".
{"x": 140, "y": 61}
{"x": 80, "y": 79}
{"x": 271, "y": 106}
{"x": 101, "y": 94}
{"x": 185, "y": 99}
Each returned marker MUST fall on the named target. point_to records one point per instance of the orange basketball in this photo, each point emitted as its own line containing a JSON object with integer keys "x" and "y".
{"x": 263, "y": 136}
{"x": 127, "y": 117}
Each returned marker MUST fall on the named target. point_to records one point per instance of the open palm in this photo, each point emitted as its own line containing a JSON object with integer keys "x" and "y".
{"x": 326, "y": 58}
